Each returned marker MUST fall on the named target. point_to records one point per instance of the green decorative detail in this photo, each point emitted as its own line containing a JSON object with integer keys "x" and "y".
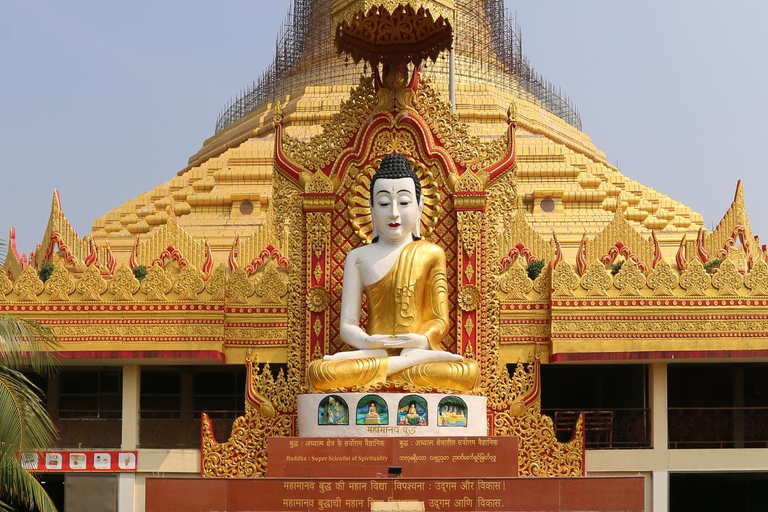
{"x": 46, "y": 269}
{"x": 712, "y": 265}
{"x": 140, "y": 272}
{"x": 534, "y": 269}
{"x": 616, "y": 267}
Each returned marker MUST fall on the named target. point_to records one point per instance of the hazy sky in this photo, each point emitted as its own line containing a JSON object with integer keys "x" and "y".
{"x": 105, "y": 100}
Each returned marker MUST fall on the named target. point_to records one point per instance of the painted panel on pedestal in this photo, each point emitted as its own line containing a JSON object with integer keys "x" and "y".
{"x": 333, "y": 410}
{"x": 372, "y": 410}
{"x": 412, "y": 410}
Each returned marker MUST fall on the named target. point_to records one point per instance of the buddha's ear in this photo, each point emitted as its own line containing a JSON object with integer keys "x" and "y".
{"x": 417, "y": 227}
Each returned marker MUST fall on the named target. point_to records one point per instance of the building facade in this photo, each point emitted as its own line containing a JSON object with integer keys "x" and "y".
{"x": 589, "y": 297}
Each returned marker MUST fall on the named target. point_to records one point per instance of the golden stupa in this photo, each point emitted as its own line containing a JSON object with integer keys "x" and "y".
{"x": 565, "y": 183}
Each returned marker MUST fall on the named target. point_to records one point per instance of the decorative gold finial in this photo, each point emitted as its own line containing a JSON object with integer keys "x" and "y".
{"x": 512, "y": 112}
{"x": 277, "y": 115}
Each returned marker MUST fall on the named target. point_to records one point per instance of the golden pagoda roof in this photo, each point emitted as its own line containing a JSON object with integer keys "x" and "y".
{"x": 226, "y": 189}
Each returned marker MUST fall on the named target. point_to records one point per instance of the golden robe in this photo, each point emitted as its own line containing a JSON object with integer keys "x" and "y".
{"x": 411, "y": 298}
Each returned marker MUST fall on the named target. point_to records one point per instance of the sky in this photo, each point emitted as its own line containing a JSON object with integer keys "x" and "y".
{"x": 105, "y": 100}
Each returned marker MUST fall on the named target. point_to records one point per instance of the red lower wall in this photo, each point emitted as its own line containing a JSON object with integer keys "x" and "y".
{"x": 438, "y": 494}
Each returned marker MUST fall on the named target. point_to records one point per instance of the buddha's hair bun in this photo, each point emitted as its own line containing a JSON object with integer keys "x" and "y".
{"x": 396, "y": 166}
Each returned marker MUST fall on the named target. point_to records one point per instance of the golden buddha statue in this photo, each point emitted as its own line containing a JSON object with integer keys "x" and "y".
{"x": 404, "y": 280}
{"x": 372, "y": 416}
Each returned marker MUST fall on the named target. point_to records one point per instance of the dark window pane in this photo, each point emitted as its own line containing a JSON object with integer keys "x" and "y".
{"x": 161, "y": 403}
{"x": 215, "y": 403}
{"x": 215, "y": 383}
{"x": 79, "y": 403}
{"x": 111, "y": 381}
{"x": 79, "y": 382}
{"x": 160, "y": 382}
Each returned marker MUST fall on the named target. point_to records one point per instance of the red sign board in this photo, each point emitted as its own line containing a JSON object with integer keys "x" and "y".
{"x": 372, "y": 457}
{"x": 80, "y": 461}
{"x": 529, "y": 494}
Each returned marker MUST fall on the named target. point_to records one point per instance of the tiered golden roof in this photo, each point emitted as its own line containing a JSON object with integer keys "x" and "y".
{"x": 226, "y": 188}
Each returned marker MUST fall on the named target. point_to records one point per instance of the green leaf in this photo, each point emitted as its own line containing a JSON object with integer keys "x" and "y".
{"x": 25, "y": 344}
{"x": 19, "y": 487}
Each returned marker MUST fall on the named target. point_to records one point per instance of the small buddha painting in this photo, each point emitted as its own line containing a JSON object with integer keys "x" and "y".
{"x": 412, "y": 411}
{"x": 372, "y": 410}
{"x": 333, "y": 410}
{"x": 452, "y": 412}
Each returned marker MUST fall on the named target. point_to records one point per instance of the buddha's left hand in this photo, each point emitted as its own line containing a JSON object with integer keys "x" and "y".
{"x": 408, "y": 340}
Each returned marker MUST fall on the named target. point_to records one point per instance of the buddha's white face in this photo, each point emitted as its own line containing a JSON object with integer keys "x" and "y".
{"x": 395, "y": 210}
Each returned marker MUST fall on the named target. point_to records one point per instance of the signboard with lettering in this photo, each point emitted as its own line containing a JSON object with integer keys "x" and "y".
{"x": 80, "y": 461}
{"x": 372, "y": 457}
{"x": 606, "y": 494}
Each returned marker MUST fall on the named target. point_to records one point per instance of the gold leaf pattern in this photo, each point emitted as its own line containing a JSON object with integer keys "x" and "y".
{"x": 216, "y": 283}
{"x": 662, "y": 279}
{"x": 239, "y": 288}
{"x": 469, "y": 271}
{"x": 542, "y": 284}
{"x": 270, "y": 284}
{"x": 470, "y": 223}
{"x": 469, "y": 326}
{"x": 123, "y": 284}
{"x": 694, "y": 279}
{"x": 757, "y": 278}
{"x": 515, "y": 281}
{"x": 318, "y": 227}
{"x": 564, "y": 280}
{"x": 6, "y": 285}
{"x": 596, "y": 280}
{"x": 28, "y": 285}
{"x": 727, "y": 279}
{"x": 629, "y": 280}
{"x": 156, "y": 283}
{"x": 188, "y": 283}
{"x": 91, "y": 285}
{"x": 60, "y": 285}
{"x": 318, "y": 299}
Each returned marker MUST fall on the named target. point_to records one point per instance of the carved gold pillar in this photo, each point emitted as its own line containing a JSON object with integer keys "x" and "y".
{"x": 469, "y": 202}
{"x": 317, "y": 208}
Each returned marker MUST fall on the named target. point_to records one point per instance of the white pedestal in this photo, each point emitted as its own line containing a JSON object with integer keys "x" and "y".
{"x": 391, "y": 415}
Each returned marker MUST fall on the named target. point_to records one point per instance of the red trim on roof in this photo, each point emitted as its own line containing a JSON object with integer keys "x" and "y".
{"x": 142, "y": 354}
{"x": 659, "y": 354}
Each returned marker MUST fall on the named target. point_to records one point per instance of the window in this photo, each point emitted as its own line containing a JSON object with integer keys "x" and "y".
{"x": 220, "y": 394}
{"x": 160, "y": 394}
{"x": 547, "y": 204}
{"x": 718, "y": 405}
{"x": 90, "y": 394}
{"x": 174, "y": 398}
{"x": 613, "y": 399}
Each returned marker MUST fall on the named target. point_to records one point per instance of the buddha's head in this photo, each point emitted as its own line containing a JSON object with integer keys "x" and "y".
{"x": 396, "y": 201}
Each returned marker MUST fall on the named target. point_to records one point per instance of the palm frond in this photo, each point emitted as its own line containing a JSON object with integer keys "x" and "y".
{"x": 24, "y": 344}
{"x": 19, "y": 487}
{"x": 24, "y": 422}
